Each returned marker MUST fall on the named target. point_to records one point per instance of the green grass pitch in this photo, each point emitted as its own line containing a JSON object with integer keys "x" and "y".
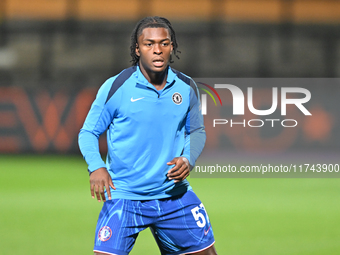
{"x": 46, "y": 208}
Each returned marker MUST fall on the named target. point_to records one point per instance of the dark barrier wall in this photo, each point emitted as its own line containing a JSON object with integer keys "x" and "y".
{"x": 68, "y": 55}
{"x": 42, "y": 121}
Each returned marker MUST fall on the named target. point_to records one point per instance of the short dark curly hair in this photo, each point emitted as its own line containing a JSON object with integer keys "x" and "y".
{"x": 154, "y": 21}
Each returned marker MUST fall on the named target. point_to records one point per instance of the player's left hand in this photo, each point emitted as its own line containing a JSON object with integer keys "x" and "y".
{"x": 180, "y": 171}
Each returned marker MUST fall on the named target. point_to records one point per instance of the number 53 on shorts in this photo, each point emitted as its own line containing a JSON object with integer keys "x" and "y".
{"x": 199, "y": 217}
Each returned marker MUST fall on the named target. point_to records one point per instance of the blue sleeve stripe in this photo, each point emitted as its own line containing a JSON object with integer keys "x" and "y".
{"x": 119, "y": 81}
{"x": 186, "y": 80}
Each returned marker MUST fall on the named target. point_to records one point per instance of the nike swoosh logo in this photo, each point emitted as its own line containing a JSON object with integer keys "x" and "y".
{"x": 206, "y": 232}
{"x": 134, "y": 100}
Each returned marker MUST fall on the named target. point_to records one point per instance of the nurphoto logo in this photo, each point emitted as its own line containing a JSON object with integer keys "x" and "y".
{"x": 295, "y": 96}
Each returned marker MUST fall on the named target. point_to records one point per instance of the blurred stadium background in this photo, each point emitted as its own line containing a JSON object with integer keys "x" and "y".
{"x": 54, "y": 55}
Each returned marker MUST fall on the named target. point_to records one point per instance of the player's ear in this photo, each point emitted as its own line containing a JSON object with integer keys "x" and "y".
{"x": 137, "y": 50}
{"x": 172, "y": 47}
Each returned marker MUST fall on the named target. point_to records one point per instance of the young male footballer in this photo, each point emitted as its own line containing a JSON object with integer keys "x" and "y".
{"x": 155, "y": 133}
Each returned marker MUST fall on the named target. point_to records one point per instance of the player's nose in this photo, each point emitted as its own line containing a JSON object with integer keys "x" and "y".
{"x": 157, "y": 49}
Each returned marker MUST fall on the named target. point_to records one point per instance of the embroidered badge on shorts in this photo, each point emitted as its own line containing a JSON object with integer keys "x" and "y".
{"x": 105, "y": 233}
{"x": 177, "y": 98}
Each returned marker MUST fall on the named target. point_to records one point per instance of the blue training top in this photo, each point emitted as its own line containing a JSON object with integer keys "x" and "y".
{"x": 146, "y": 129}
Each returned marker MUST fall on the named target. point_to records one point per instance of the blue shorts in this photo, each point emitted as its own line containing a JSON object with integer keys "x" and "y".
{"x": 179, "y": 224}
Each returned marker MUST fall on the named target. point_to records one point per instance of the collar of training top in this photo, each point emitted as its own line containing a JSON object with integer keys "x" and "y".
{"x": 142, "y": 80}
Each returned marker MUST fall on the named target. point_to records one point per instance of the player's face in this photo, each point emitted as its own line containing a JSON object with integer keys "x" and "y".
{"x": 154, "y": 49}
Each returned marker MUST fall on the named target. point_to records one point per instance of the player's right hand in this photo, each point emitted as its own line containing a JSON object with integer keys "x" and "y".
{"x": 99, "y": 179}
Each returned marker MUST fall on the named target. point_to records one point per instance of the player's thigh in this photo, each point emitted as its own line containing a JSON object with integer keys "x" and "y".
{"x": 184, "y": 225}
{"x": 117, "y": 227}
